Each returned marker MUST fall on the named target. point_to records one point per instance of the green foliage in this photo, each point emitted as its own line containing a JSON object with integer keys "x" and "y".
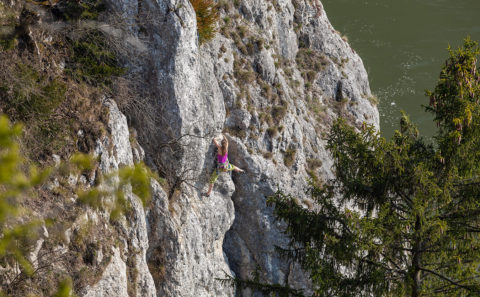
{"x": 402, "y": 217}
{"x": 257, "y": 286}
{"x": 454, "y": 103}
{"x": 82, "y": 162}
{"x": 14, "y": 186}
{"x": 33, "y": 97}
{"x": 135, "y": 178}
{"x": 138, "y": 177}
{"x": 31, "y": 94}
{"x": 18, "y": 233}
{"x": 207, "y": 18}
{"x": 8, "y": 22}
{"x": 7, "y": 43}
{"x": 64, "y": 289}
{"x": 92, "y": 61}
{"x": 71, "y": 10}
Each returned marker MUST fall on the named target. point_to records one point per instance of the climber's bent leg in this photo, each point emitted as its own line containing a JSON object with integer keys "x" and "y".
{"x": 213, "y": 179}
{"x": 214, "y": 176}
{"x": 234, "y": 168}
{"x": 210, "y": 187}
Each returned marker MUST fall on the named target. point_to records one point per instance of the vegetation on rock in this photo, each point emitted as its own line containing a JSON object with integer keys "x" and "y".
{"x": 207, "y": 18}
{"x": 57, "y": 67}
{"x": 20, "y": 234}
{"x": 402, "y": 217}
{"x": 92, "y": 61}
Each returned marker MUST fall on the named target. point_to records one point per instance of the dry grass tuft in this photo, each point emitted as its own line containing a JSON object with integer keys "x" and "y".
{"x": 207, "y": 18}
{"x": 289, "y": 157}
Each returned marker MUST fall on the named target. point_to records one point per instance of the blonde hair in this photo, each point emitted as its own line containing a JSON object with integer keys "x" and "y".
{"x": 224, "y": 149}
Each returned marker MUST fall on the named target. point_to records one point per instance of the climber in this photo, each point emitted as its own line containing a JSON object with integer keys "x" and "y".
{"x": 222, "y": 165}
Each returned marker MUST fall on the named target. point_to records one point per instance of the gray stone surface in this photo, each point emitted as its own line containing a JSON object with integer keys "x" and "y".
{"x": 186, "y": 237}
{"x": 114, "y": 279}
{"x": 274, "y": 122}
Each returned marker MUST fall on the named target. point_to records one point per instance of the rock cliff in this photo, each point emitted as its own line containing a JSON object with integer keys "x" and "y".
{"x": 272, "y": 80}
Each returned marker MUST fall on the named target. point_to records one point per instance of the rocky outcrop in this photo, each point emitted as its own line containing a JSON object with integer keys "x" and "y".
{"x": 127, "y": 272}
{"x": 114, "y": 279}
{"x": 273, "y": 79}
{"x": 186, "y": 238}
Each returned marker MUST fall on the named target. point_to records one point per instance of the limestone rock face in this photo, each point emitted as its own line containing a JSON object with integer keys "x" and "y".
{"x": 273, "y": 79}
{"x": 186, "y": 256}
{"x": 114, "y": 280}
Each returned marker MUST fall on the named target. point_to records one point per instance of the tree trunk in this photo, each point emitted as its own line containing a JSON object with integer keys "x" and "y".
{"x": 416, "y": 260}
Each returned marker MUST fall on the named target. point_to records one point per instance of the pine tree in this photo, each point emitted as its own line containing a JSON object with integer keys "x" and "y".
{"x": 402, "y": 217}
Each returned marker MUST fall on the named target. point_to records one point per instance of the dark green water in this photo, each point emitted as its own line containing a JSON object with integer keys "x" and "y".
{"x": 403, "y": 46}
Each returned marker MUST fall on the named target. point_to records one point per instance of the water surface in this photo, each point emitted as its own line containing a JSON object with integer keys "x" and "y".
{"x": 403, "y": 46}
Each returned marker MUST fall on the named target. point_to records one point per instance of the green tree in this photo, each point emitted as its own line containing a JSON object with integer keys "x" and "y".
{"x": 402, "y": 217}
{"x": 14, "y": 184}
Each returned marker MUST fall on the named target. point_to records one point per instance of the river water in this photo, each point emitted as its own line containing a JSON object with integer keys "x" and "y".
{"x": 403, "y": 44}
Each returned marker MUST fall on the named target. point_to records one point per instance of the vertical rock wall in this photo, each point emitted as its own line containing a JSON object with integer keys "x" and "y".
{"x": 273, "y": 79}
{"x": 130, "y": 257}
{"x": 186, "y": 231}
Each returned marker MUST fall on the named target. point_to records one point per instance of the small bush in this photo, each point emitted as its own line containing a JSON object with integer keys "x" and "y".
{"x": 226, "y": 5}
{"x": 266, "y": 90}
{"x": 236, "y": 131}
{"x": 279, "y": 111}
{"x": 242, "y": 31}
{"x": 7, "y": 43}
{"x": 268, "y": 155}
{"x": 29, "y": 93}
{"x": 70, "y": 10}
{"x": 250, "y": 48}
{"x": 92, "y": 61}
{"x": 317, "y": 107}
{"x": 289, "y": 157}
{"x": 314, "y": 179}
{"x": 207, "y": 18}
{"x": 245, "y": 76}
{"x": 242, "y": 47}
{"x": 266, "y": 118}
{"x": 311, "y": 62}
{"x": 373, "y": 99}
{"x": 314, "y": 163}
{"x": 272, "y": 131}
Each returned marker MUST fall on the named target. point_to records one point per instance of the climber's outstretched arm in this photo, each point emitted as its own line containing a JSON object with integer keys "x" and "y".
{"x": 219, "y": 147}
{"x": 226, "y": 140}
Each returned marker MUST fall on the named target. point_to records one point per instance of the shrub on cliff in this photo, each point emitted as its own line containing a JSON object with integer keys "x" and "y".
{"x": 402, "y": 217}
{"x": 55, "y": 85}
{"x": 19, "y": 232}
{"x": 207, "y": 18}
